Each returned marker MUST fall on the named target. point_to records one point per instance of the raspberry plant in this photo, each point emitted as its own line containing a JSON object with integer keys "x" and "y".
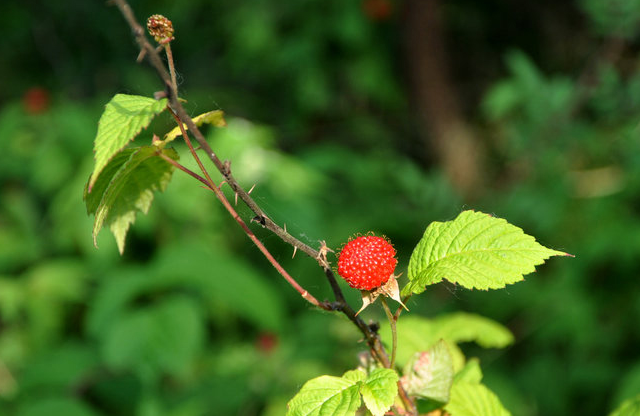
{"x": 425, "y": 370}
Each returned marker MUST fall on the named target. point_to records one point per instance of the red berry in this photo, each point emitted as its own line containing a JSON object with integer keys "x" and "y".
{"x": 367, "y": 262}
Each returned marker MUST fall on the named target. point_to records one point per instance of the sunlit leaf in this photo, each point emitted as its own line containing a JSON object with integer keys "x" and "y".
{"x": 471, "y": 372}
{"x": 380, "y": 390}
{"x": 475, "y": 250}
{"x": 429, "y": 374}
{"x": 472, "y": 399}
{"x": 130, "y": 190}
{"x": 416, "y": 333}
{"x": 630, "y": 407}
{"x": 92, "y": 199}
{"x": 328, "y": 396}
{"x": 123, "y": 118}
{"x": 215, "y": 118}
{"x": 467, "y": 327}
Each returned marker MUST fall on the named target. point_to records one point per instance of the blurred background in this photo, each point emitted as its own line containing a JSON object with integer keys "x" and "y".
{"x": 349, "y": 116}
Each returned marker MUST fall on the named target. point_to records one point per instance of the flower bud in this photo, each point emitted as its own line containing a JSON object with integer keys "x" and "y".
{"x": 160, "y": 28}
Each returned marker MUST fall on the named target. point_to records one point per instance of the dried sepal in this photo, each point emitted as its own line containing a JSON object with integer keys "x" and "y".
{"x": 389, "y": 289}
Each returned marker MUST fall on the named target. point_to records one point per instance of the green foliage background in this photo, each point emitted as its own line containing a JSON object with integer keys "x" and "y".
{"x": 192, "y": 321}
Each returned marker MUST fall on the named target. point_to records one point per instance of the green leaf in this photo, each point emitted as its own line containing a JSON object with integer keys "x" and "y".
{"x": 467, "y": 327}
{"x": 328, "y": 396}
{"x": 475, "y": 250}
{"x": 429, "y": 374}
{"x": 380, "y": 390}
{"x": 416, "y": 333}
{"x": 472, "y": 399}
{"x": 92, "y": 199}
{"x": 129, "y": 190}
{"x": 354, "y": 375}
{"x": 630, "y": 407}
{"x": 123, "y": 118}
{"x": 215, "y": 118}
{"x": 470, "y": 373}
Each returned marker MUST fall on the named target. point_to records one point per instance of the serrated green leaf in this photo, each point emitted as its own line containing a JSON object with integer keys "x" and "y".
{"x": 429, "y": 374}
{"x": 475, "y": 250}
{"x": 416, "y": 333}
{"x": 215, "y": 118}
{"x": 630, "y": 407}
{"x": 380, "y": 390}
{"x": 472, "y": 399}
{"x": 355, "y": 375}
{"x": 123, "y": 118}
{"x": 328, "y": 396}
{"x": 131, "y": 190}
{"x": 92, "y": 199}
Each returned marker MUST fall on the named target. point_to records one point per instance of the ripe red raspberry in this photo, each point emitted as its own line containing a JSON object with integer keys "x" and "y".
{"x": 367, "y": 262}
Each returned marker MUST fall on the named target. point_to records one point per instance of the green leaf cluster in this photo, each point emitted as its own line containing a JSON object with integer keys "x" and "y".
{"x": 343, "y": 396}
{"x": 124, "y": 181}
{"x": 438, "y": 374}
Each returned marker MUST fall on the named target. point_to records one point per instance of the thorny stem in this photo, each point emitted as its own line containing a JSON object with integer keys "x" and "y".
{"x": 184, "y": 169}
{"x": 221, "y": 197}
{"x": 372, "y": 338}
{"x": 225, "y": 202}
{"x": 191, "y": 149}
{"x": 394, "y": 335}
